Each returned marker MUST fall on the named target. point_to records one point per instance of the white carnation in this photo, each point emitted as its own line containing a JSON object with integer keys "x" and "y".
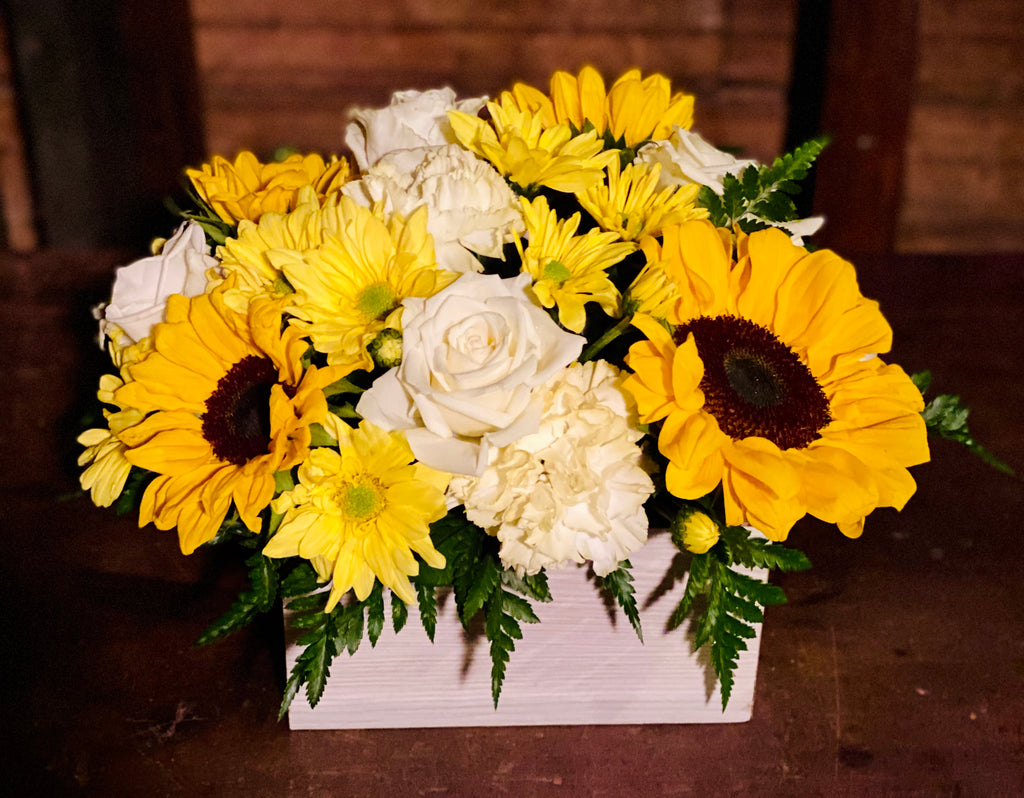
{"x": 471, "y": 207}
{"x": 572, "y": 491}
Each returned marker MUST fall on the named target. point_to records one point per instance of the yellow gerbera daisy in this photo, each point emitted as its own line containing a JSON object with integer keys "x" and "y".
{"x": 229, "y": 405}
{"x": 630, "y": 204}
{"x": 770, "y": 387}
{"x": 246, "y": 189}
{"x": 350, "y": 284}
{"x": 635, "y": 110}
{"x": 568, "y": 270}
{"x": 530, "y": 154}
{"x": 359, "y": 513}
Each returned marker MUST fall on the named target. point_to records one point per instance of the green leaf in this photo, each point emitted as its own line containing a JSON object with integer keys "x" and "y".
{"x": 263, "y": 581}
{"x": 700, "y": 571}
{"x": 946, "y": 417}
{"x": 764, "y": 192}
{"x": 474, "y": 584}
{"x": 348, "y": 621}
{"x": 619, "y": 583}
{"x": 760, "y": 553}
{"x": 427, "y": 600}
{"x": 300, "y": 580}
{"x": 375, "y": 613}
{"x": 533, "y": 586}
{"x": 502, "y": 614}
{"x": 399, "y": 613}
{"x": 735, "y": 600}
{"x": 312, "y": 667}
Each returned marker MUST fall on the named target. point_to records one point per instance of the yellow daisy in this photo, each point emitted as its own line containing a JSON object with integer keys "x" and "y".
{"x": 568, "y": 270}
{"x": 769, "y": 386}
{"x": 106, "y": 467}
{"x": 528, "y": 153}
{"x": 629, "y": 202}
{"x": 350, "y": 283}
{"x": 228, "y": 405}
{"x": 246, "y": 189}
{"x": 359, "y": 513}
{"x": 635, "y": 110}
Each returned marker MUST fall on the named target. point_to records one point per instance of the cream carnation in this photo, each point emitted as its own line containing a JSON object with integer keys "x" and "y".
{"x": 572, "y": 491}
{"x": 470, "y": 206}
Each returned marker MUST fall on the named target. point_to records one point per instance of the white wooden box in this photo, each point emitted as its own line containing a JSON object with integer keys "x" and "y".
{"x": 581, "y": 664}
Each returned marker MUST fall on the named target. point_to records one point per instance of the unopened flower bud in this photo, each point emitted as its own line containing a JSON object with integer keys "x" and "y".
{"x": 695, "y": 531}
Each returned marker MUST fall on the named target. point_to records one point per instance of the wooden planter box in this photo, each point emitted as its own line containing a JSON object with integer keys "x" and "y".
{"x": 582, "y": 664}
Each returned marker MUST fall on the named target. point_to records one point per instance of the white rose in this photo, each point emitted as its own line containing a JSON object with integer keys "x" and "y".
{"x": 413, "y": 119}
{"x": 575, "y": 489}
{"x": 687, "y": 158}
{"x": 472, "y": 356}
{"x": 139, "y": 297}
{"x": 471, "y": 207}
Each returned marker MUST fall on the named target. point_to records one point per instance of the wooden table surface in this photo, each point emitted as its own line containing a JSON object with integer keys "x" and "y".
{"x": 897, "y": 668}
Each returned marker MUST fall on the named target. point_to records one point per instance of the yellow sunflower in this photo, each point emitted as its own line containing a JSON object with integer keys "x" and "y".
{"x": 770, "y": 386}
{"x": 633, "y": 111}
{"x": 528, "y": 153}
{"x": 228, "y": 405}
{"x": 629, "y": 202}
{"x": 359, "y": 513}
{"x": 350, "y": 282}
{"x": 246, "y": 189}
{"x": 568, "y": 270}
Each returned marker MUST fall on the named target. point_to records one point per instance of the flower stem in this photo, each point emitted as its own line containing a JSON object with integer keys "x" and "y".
{"x": 609, "y": 335}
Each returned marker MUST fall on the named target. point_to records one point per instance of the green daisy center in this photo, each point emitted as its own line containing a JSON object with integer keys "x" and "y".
{"x": 362, "y": 500}
{"x": 377, "y": 301}
{"x": 556, "y": 271}
{"x": 754, "y": 385}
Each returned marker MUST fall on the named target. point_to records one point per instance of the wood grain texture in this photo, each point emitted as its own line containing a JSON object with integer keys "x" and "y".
{"x": 582, "y": 664}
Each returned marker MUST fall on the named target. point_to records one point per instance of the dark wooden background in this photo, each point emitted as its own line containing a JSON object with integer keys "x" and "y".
{"x": 101, "y": 104}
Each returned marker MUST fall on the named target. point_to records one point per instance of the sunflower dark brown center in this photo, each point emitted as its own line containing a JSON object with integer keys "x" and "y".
{"x": 237, "y": 418}
{"x": 755, "y": 385}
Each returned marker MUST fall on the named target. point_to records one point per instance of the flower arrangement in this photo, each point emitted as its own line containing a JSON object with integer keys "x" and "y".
{"x": 501, "y": 337}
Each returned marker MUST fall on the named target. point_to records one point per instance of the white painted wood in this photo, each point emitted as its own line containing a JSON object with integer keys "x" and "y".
{"x": 577, "y": 666}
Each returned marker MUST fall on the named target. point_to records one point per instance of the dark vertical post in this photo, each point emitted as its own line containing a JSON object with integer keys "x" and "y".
{"x": 869, "y": 90}
{"x": 110, "y": 109}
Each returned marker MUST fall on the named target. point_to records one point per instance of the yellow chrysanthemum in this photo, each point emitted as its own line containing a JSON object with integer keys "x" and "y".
{"x": 247, "y": 189}
{"x": 529, "y": 153}
{"x": 770, "y": 388}
{"x": 106, "y": 467}
{"x": 228, "y": 405}
{"x": 629, "y": 202}
{"x": 635, "y": 110}
{"x": 359, "y": 513}
{"x": 255, "y": 254}
{"x": 349, "y": 284}
{"x": 568, "y": 270}
{"x": 652, "y": 292}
